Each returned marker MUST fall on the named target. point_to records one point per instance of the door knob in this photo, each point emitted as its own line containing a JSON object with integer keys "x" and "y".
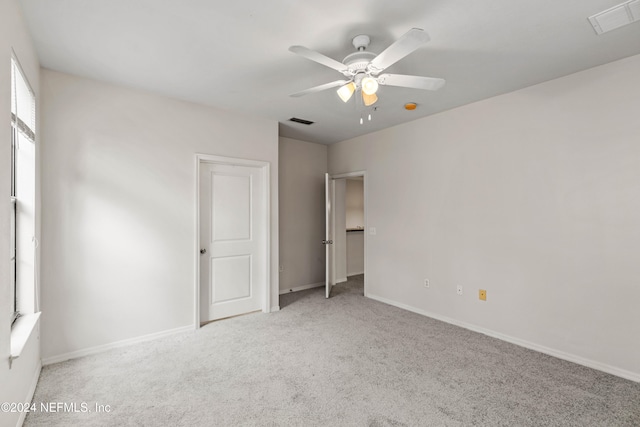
{"x": 203, "y": 251}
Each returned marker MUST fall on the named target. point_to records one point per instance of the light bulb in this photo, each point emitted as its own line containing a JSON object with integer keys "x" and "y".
{"x": 361, "y": 121}
{"x": 369, "y": 117}
{"x": 369, "y": 85}
{"x": 346, "y": 91}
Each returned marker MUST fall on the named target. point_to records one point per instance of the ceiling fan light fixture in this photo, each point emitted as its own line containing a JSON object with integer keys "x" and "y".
{"x": 369, "y": 85}
{"x": 369, "y": 100}
{"x": 346, "y": 91}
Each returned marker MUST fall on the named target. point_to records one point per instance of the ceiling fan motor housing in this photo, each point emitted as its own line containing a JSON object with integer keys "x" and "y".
{"x": 357, "y": 64}
{"x": 358, "y": 61}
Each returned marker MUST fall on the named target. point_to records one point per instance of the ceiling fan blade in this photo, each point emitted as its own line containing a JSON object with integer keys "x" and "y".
{"x": 319, "y": 58}
{"x": 410, "y": 41}
{"x": 415, "y": 82}
{"x": 320, "y": 88}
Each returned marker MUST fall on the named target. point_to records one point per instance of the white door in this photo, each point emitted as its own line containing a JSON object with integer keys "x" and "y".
{"x": 328, "y": 235}
{"x": 233, "y": 273}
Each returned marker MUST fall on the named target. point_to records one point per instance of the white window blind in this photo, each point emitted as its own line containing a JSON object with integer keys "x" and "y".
{"x": 23, "y": 103}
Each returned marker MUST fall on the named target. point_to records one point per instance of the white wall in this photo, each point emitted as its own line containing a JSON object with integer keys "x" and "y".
{"x": 15, "y": 383}
{"x": 302, "y": 167}
{"x": 340, "y": 230}
{"x": 355, "y": 203}
{"x": 355, "y": 218}
{"x": 355, "y": 253}
{"x": 119, "y": 208}
{"x": 533, "y": 196}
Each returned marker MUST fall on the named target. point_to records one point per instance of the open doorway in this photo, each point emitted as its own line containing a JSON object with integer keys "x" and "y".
{"x": 349, "y": 236}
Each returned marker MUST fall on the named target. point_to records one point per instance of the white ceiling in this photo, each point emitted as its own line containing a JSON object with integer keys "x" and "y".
{"x": 234, "y": 54}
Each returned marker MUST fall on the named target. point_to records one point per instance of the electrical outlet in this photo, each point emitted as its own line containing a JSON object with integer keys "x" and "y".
{"x": 426, "y": 283}
{"x": 459, "y": 290}
{"x": 482, "y": 294}
{"x": 281, "y": 268}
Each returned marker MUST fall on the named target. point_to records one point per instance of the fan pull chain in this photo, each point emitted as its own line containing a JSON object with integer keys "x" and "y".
{"x": 369, "y": 117}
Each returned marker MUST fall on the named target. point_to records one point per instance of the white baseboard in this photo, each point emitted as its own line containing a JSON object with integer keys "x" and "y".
{"x": 301, "y": 288}
{"x": 341, "y": 280}
{"x": 633, "y": 376}
{"x": 357, "y": 273}
{"x": 275, "y": 308}
{"x": 30, "y": 393}
{"x": 117, "y": 344}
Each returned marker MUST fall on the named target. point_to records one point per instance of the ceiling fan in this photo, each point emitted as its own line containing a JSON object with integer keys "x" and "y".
{"x": 363, "y": 69}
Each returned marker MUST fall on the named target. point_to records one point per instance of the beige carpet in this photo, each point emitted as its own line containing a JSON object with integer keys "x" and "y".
{"x": 345, "y": 361}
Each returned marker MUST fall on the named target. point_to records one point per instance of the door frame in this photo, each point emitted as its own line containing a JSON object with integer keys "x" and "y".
{"x": 266, "y": 176}
{"x": 363, "y": 174}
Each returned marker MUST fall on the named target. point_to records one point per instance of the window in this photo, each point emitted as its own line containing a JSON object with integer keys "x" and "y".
{"x": 22, "y": 234}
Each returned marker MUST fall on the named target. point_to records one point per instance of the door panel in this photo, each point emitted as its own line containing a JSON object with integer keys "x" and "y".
{"x": 231, "y": 207}
{"x": 233, "y": 236}
{"x": 328, "y": 242}
{"x": 231, "y": 278}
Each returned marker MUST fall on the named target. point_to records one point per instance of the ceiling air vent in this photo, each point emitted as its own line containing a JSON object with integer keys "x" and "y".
{"x": 616, "y": 17}
{"x": 303, "y": 121}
